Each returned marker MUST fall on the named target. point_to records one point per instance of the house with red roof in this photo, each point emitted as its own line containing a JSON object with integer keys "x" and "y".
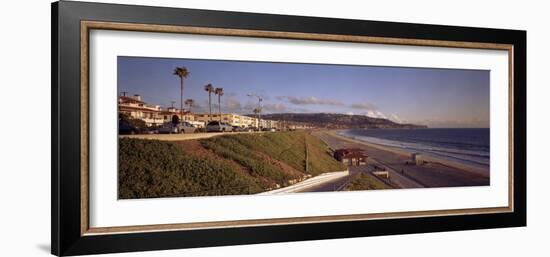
{"x": 351, "y": 156}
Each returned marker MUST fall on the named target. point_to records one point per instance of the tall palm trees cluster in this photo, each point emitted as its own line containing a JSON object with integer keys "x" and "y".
{"x": 183, "y": 73}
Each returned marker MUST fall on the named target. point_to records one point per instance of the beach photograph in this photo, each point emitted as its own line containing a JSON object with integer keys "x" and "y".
{"x": 197, "y": 128}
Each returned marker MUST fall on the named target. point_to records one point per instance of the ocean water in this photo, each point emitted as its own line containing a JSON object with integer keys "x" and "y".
{"x": 468, "y": 146}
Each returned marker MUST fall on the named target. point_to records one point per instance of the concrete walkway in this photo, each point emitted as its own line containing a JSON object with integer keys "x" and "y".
{"x": 309, "y": 183}
{"x": 182, "y": 137}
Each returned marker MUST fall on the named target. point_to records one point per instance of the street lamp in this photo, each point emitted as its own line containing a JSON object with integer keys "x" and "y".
{"x": 260, "y": 99}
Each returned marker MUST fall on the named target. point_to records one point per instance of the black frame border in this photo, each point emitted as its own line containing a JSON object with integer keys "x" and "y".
{"x": 66, "y": 236}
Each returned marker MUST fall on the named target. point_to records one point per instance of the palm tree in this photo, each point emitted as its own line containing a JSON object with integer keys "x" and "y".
{"x": 190, "y": 103}
{"x": 219, "y": 91}
{"x": 182, "y": 73}
{"x": 209, "y": 88}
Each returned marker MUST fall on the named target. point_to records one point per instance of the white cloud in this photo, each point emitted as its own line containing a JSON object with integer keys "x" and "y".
{"x": 309, "y": 100}
{"x": 274, "y": 107}
{"x": 376, "y": 114}
{"x": 232, "y": 105}
{"x": 366, "y": 106}
{"x": 395, "y": 118}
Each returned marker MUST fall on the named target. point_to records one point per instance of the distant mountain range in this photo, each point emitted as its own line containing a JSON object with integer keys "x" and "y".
{"x": 337, "y": 121}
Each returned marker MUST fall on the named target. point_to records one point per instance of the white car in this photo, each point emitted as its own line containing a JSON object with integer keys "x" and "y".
{"x": 182, "y": 127}
{"x": 216, "y": 126}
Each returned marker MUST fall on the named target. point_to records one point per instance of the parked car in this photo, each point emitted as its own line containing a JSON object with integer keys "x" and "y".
{"x": 168, "y": 128}
{"x": 152, "y": 130}
{"x": 216, "y": 126}
{"x": 269, "y": 129}
{"x": 239, "y": 129}
{"x": 186, "y": 127}
{"x": 125, "y": 128}
{"x": 182, "y": 127}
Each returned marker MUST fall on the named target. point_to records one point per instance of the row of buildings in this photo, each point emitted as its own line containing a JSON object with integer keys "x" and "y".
{"x": 154, "y": 115}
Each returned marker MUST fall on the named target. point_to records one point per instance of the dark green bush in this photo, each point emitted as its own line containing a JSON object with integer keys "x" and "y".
{"x": 149, "y": 168}
{"x": 138, "y": 123}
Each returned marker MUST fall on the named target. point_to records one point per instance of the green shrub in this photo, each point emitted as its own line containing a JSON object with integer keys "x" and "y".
{"x": 363, "y": 181}
{"x": 149, "y": 168}
{"x": 138, "y": 123}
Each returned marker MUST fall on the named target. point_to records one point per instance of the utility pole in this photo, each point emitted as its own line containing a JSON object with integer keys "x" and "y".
{"x": 307, "y": 153}
{"x": 173, "y": 102}
{"x": 260, "y": 99}
{"x": 124, "y": 93}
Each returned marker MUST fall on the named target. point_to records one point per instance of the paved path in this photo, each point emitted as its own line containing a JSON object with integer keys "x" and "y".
{"x": 330, "y": 186}
{"x": 182, "y": 137}
{"x": 313, "y": 184}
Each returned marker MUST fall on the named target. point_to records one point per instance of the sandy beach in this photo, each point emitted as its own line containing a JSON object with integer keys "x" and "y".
{"x": 435, "y": 173}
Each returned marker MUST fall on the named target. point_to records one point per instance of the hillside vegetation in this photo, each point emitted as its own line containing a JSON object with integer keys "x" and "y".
{"x": 150, "y": 168}
{"x": 287, "y": 147}
{"x": 362, "y": 181}
{"x": 337, "y": 120}
{"x": 224, "y": 165}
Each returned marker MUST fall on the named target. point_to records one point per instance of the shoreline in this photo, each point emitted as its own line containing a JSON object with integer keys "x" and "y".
{"x": 433, "y": 173}
{"x": 428, "y": 158}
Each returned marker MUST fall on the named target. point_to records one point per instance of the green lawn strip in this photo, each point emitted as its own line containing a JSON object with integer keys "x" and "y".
{"x": 289, "y": 147}
{"x": 320, "y": 159}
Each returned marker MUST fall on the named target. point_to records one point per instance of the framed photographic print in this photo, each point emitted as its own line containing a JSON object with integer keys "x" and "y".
{"x": 177, "y": 128}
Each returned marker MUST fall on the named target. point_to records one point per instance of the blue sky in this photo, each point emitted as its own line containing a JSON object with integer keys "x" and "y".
{"x": 433, "y": 97}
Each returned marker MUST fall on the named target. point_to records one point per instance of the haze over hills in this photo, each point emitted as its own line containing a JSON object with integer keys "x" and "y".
{"x": 337, "y": 120}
